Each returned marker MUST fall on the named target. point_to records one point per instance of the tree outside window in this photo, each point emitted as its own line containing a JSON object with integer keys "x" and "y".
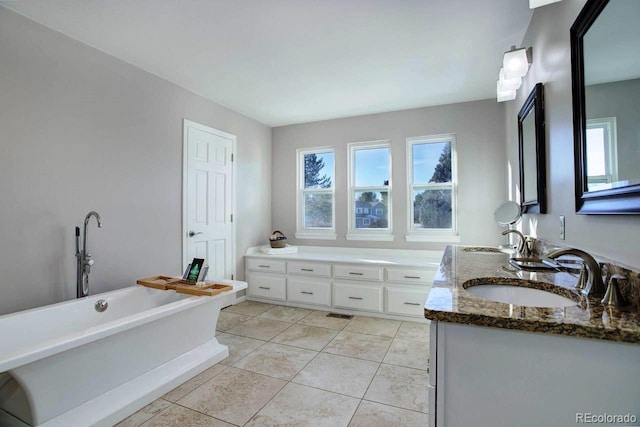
{"x": 432, "y": 178}
{"x": 316, "y": 209}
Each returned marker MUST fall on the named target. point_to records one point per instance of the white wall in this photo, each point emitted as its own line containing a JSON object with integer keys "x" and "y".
{"x": 612, "y": 236}
{"x": 479, "y": 127}
{"x": 81, "y": 131}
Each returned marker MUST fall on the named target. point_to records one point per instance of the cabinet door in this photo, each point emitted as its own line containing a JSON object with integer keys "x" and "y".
{"x": 267, "y": 265}
{"x": 358, "y": 272}
{"x": 411, "y": 275}
{"x": 270, "y": 286}
{"x": 357, "y": 296}
{"x": 309, "y": 268}
{"x": 406, "y": 302}
{"x": 309, "y": 291}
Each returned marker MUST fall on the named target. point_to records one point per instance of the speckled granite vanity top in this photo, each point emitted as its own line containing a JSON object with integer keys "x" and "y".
{"x": 448, "y": 301}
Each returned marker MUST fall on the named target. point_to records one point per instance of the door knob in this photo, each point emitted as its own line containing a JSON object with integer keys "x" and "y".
{"x": 193, "y": 233}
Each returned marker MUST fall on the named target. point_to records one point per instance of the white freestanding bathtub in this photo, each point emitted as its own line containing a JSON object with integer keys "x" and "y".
{"x": 77, "y": 366}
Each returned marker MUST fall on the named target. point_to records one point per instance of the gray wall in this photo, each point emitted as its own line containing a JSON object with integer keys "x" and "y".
{"x": 81, "y": 131}
{"x": 614, "y": 237}
{"x": 479, "y": 127}
{"x": 619, "y": 100}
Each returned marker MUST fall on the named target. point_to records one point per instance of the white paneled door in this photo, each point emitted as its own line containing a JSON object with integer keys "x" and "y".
{"x": 208, "y": 199}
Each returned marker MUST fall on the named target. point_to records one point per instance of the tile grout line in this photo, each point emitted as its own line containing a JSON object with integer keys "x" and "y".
{"x": 300, "y": 370}
{"x": 380, "y": 363}
{"x": 290, "y": 381}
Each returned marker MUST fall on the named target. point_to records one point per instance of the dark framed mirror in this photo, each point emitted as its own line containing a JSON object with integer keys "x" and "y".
{"x": 531, "y": 136}
{"x": 605, "y": 70}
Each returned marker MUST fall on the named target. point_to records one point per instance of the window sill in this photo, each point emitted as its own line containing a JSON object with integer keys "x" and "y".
{"x": 442, "y": 238}
{"x": 371, "y": 237}
{"x": 316, "y": 236}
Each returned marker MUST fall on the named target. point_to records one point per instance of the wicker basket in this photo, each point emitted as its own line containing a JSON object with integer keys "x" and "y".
{"x": 277, "y": 243}
{"x": 277, "y": 239}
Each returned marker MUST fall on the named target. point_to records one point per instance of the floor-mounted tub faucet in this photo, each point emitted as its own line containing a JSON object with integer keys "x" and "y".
{"x": 83, "y": 258}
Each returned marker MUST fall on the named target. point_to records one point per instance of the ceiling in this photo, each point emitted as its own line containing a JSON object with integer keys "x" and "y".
{"x": 291, "y": 61}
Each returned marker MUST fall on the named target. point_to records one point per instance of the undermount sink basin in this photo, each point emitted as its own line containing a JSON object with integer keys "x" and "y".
{"x": 527, "y": 293}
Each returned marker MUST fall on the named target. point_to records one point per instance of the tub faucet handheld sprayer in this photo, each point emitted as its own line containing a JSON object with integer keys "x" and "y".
{"x": 83, "y": 258}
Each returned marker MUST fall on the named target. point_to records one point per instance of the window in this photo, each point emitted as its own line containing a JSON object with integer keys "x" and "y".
{"x": 316, "y": 194}
{"x": 602, "y": 156}
{"x": 369, "y": 191}
{"x": 431, "y": 184}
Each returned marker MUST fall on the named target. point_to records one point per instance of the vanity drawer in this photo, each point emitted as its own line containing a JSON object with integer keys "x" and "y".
{"x": 270, "y": 265}
{"x": 357, "y": 297}
{"x": 358, "y": 272}
{"x": 407, "y": 302}
{"x": 267, "y": 286}
{"x": 309, "y": 291}
{"x": 309, "y": 268}
{"x": 411, "y": 275}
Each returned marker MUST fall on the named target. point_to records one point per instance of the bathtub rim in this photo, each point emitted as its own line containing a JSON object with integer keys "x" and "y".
{"x": 94, "y": 333}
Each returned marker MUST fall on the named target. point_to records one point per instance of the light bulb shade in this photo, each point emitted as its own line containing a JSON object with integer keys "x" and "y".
{"x": 505, "y": 95}
{"x": 515, "y": 63}
{"x": 508, "y": 84}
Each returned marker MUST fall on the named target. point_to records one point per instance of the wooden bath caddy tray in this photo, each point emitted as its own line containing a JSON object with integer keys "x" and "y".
{"x": 182, "y": 286}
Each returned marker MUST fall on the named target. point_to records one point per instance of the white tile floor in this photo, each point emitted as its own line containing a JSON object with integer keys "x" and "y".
{"x": 297, "y": 367}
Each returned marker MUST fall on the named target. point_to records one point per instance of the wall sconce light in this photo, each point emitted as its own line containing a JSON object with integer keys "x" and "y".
{"x": 515, "y": 65}
{"x": 516, "y": 62}
{"x": 508, "y": 84}
{"x": 505, "y": 94}
{"x": 537, "y": 3}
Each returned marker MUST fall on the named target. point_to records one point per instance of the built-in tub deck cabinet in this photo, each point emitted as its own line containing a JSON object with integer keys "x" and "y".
{"x": 390, "y": 283}
{"x": 501, "y": 364}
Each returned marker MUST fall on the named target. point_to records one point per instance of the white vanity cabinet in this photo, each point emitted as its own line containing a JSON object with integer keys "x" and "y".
{"x": 317, "y": 269}
{"x": 358, "y": 272}
{"x": 357, "y": 296}
{"x": 267, "y": 265}
{"x": 501, "y": 377}
{"x": 392, "y": 283}
{"x": 407, "y": 290}
{"x": 358, "y": 287}
{"x": 406, "y": 302}
{"x": 309, "y": 291}
{"x": 270, "y": 286}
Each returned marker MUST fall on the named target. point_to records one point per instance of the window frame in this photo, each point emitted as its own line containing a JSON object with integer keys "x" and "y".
{"x": 371, "y": 234}
{"x": 609, "y": 129}
{"x": 448, "y": 235}
{"x": 302, "y": 232}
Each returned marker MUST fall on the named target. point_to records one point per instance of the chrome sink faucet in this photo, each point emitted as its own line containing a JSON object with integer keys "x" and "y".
{"x": 83, "y": 258}
{"x": 523, "y": 244}
{"x": 593, "y": 284}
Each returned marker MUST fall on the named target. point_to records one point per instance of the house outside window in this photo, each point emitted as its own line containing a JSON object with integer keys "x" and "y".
{"x": 431, "y": 184}
{"x": 316, "y": 194}
{"x": 369, "y": 175}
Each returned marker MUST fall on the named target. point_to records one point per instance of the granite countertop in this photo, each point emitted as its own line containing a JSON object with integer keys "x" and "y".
{"x": 448, "y": 301}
